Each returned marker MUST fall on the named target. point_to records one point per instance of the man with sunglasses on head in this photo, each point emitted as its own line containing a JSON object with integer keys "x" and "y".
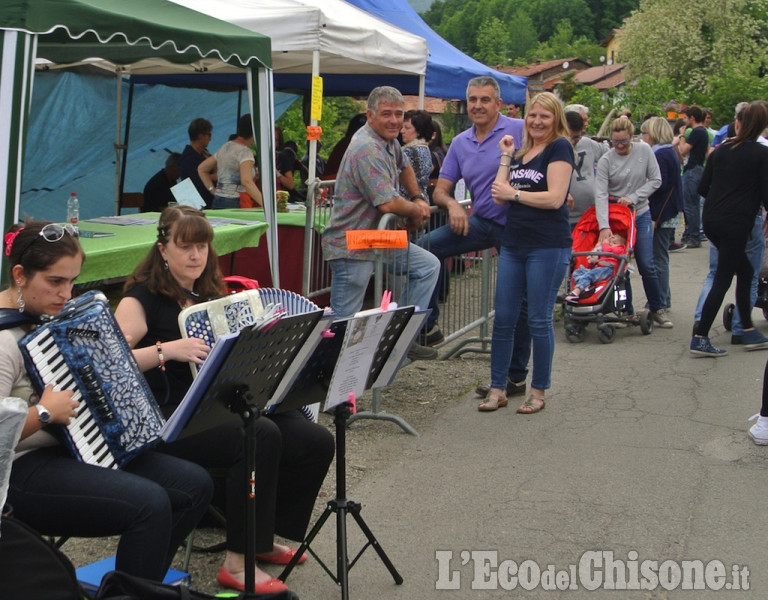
{"x": 474, "y": 157}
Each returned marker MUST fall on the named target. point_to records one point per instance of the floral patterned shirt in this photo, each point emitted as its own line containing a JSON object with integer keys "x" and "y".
{"x": 368, "y": 177}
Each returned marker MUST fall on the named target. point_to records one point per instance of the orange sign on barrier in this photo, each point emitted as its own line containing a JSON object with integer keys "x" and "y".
{"x": 365, "y": 239}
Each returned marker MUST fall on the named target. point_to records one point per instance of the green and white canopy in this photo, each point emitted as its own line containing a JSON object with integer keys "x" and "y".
{"x": 129, "y": 36}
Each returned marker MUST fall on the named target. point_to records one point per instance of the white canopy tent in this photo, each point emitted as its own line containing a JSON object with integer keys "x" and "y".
{"x": 322, "y": 37}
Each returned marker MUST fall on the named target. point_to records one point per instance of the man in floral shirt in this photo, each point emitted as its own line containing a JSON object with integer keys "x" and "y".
{"x": 367, "y": 188}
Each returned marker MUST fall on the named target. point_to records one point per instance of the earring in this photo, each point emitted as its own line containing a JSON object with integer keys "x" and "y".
{"x": 165, "y": 265}
{"x": 20, "y": 300}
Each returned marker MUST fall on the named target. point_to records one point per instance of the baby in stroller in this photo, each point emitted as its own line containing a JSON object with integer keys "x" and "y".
{"x": 601, "y": 266}
{"x": 597, "y": 278}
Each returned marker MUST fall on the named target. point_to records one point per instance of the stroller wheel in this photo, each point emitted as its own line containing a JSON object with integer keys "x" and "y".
{"x": 607, "y": 333}
{"x": 646, "y": 322}
{"x": 728, "y": 316}
{"x": 574, "y": 333}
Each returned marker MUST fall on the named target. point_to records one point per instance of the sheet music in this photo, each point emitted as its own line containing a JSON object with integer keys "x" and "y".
{"x": 400, "y": 351}
{"x": 186, "y": 409}
{"x": 186, "y": 193}
{"x": 361, "y": 339}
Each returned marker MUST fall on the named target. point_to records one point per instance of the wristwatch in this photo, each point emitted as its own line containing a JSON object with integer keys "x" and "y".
{"x": 43, "y": 414}
{"x": 418, "y": 197}
{"x": 516, "y": 197}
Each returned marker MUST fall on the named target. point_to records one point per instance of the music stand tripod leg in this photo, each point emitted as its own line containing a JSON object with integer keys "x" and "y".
{"x": 341, "y": 506}
{"x": 240, "y": 404}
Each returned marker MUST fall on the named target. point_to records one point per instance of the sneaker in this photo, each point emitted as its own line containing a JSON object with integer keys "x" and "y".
{"x": 662, "y": 319}
{"x": 418, "y": 352}
{"x": 758, "y": 433}
{"x": 693, "y": 243}
{"x": 701, "y": 346}
{"x": 736, "y": 340}
{"x": 675, "y": 246}
{"x": 514, "y": 388}
{"x": 432, "y": 337}
{"x": 754, "y": 340}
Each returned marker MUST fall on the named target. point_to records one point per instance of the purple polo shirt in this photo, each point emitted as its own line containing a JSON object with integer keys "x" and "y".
{"x": 477, "y": 163}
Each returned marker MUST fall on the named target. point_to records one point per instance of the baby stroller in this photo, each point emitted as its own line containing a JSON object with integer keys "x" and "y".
{"x": 605, "y": 303}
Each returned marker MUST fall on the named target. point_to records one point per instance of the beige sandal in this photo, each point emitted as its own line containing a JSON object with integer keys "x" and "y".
{"x": 493, "y": 402}
{"x": 532, "y": 404}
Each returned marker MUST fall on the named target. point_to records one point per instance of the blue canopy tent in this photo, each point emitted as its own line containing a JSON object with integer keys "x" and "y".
{"x": 448, "y": 68}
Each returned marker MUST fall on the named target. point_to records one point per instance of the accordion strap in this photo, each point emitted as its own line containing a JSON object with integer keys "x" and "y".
{"x": 10, "y": 318}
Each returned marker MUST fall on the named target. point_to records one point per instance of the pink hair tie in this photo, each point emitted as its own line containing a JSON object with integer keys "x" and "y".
{"x": 9, "y": 237}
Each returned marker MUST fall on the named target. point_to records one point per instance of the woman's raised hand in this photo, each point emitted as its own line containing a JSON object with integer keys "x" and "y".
{"x": 507, "y": 143}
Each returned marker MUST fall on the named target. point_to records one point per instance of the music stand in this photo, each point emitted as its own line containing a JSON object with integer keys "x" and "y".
{"x": 341, "y": 505}
{"x": 247, "y": 378}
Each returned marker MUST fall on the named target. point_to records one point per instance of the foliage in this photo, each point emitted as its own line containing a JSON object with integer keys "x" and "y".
{"x": 598, "y": 104}
{"x": 337, "y": 112}
{"x": 492, "y": 43}
{"x": 719, "y": 36}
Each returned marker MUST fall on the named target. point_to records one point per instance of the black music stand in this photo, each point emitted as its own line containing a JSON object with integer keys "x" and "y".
{"x": 245, "y": 380}
{"x": 341, "y": 505}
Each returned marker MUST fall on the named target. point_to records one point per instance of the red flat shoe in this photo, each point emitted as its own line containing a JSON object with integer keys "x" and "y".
{"x": 280, "y": 559}
{"x": 271, "y": 586}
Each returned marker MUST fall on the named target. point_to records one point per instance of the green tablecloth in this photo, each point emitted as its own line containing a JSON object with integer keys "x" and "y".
{"x": 117, "y": 255}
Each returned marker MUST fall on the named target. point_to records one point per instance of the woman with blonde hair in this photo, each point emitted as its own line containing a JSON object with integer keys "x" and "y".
{"x": 629, "y": 174}
{"x": 666, "y": 202}
{"x": 535, "y": 246}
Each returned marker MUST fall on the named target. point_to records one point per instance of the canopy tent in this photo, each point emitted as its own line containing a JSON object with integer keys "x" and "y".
{"x": 328, "y": 37}
{"x": 149, "y": 35}
{"x": 448, "y": 68}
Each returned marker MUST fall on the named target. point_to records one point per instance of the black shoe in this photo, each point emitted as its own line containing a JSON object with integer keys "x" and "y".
{"x": 675, "y": 246}
{"x": 736, "y": 340}
{"x": 433, "y": 337}
{"x": 513, "y": 389}
{"x": 418, "y": 352}
{"x": 693, "y": 243}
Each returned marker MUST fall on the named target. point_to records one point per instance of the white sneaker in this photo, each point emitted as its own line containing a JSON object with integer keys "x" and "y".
{"x": 759, "y": 431}
{"x": 662, "y": 319}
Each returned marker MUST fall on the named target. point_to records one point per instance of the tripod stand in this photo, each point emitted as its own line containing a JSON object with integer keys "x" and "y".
{"x": 342, "y": 506}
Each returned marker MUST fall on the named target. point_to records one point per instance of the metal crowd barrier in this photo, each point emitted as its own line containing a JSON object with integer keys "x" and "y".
{"x": 466, "y": 297}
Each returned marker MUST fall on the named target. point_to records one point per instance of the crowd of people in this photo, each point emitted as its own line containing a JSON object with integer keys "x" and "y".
{"x": 529, "y": 180}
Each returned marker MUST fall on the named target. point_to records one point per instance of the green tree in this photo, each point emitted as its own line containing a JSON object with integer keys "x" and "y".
{"x": 719, "y": 36}
{"x": 492, "y": 43}
{"x": 599, "y": 105}
{"x": 522, "y": 36}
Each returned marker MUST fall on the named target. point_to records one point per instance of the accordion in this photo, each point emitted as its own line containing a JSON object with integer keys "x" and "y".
{"x": 83, "y": 349}
{"x": 234, "y": 312}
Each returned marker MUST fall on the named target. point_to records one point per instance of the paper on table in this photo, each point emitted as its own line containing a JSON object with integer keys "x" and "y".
{"x": 186, "y": 193}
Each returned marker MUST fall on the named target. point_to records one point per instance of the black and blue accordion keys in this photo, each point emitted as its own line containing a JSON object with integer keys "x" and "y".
{"x": 83, "y": 349}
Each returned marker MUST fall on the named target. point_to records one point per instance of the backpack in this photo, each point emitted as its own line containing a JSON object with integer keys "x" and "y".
{"x": 32, "y": 567}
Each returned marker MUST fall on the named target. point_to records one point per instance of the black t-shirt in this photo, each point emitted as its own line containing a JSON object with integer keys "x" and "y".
{"x": 157, "y": 193}
{"x": 699, "y": 140}
{"x": 188, "y": 164}
{"x": 162, "y": 326}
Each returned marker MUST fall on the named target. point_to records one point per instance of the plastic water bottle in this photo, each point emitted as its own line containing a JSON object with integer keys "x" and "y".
{"x": 73, "y": 210}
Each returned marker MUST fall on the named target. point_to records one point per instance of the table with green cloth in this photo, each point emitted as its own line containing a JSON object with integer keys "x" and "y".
{"x": 114, "y": 257}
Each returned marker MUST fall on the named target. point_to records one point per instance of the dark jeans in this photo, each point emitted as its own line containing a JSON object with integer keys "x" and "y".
{"x": 691, "y": 204}
{"x": 152, "y": 503}
{"x": 483, "y": 234}
{"x": 292, "y": 458}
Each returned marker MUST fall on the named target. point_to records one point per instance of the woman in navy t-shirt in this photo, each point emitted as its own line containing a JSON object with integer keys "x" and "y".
{"x": 536, "y": 244}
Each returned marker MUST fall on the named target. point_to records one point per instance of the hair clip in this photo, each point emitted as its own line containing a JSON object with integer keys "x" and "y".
{"x": 9, "y": 237}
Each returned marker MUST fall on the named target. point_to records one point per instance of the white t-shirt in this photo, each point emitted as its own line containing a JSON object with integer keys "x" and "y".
{"x": 228, "y": 160}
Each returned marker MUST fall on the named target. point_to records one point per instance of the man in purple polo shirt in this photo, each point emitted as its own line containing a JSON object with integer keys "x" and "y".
{"x": 474, "y": 157}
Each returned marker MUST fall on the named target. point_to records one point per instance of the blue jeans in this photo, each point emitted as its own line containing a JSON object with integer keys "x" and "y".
{"x": 225, "y": 202}
{"x": 755, "y": 249}
{"x": 534, "y": 275}
{"x": 483, "y": 233}
{"x": 691, "y": 204}
{"x": 152, "y": 503}
{"x": 662, "y": 238}
{"x": 644, "y": 258}
{"x": 584, "y": 276}
{"x": 349, "y": 279}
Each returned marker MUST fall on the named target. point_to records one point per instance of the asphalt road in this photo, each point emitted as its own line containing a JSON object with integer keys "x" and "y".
{"x": 639, "y": 473}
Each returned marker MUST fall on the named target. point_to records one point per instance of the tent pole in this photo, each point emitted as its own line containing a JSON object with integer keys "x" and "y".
{"x": 421, "y": 91}
{"x": 124, "y": 146}
{"x": 262, "y": 106}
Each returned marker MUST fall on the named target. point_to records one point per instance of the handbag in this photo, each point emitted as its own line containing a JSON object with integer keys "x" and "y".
{"x": 663, "y": 206}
